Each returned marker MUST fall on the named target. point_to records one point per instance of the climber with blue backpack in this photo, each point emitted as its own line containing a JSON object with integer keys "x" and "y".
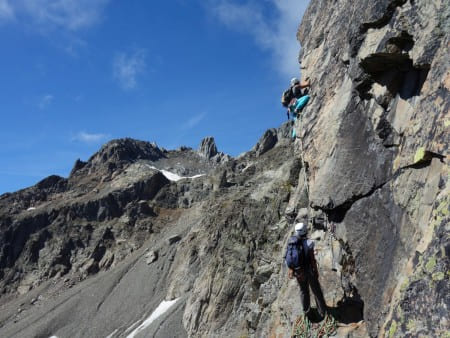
{"x": 295, "y": 97}
{"x": 302, "y": 264}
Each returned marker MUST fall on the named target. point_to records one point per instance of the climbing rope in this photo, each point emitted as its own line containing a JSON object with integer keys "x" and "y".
{"x": 329, "y": 226}
{"x": 327, "y": 328}
{"x": 303, "y": 328}
{"x": 305, "y": 178}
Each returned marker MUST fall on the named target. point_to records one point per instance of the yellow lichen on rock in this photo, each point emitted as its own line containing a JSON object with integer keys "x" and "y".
{"x": 438, "y": 276}
{"x": 393, "y": 329}
{"x": 430, "y": 264}
{"x": 420, "y": 155}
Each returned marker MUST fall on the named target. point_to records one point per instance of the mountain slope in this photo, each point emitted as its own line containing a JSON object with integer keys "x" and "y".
{"x": 86, "y": 256}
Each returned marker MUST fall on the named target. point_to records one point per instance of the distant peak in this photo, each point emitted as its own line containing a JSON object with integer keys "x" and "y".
{"x": 118, "y": 153}
{"x": 127, "y": 150}
{"x": 207, "y": 147}
{"x": 53, "y": 182}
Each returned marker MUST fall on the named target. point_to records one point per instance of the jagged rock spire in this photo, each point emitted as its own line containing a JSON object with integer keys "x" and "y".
{"x": 266, "y": 142}
{"x": 207, "y": 147}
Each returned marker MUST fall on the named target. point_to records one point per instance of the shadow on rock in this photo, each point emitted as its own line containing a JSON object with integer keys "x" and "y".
{"x": 314, "y": 315}
{"x": 348, "y": 310}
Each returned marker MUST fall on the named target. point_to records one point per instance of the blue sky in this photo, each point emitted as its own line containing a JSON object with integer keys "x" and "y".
{"x": 77, "y": 73}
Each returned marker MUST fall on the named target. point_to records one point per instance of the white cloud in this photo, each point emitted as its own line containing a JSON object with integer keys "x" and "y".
{"x": 275, "y": 32}
{"x": 61, "y": 18}
{"x": 193, "y": 121}
{"x": 127, "y": 67}
{"x": 6, "y": 11}
{"x": 45, "y": 101}
{"x": 71, "y": 15}
{"x": 85, "y": 137}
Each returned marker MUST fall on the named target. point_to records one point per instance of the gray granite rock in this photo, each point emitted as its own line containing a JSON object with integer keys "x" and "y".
{"x": 207, "y": 147}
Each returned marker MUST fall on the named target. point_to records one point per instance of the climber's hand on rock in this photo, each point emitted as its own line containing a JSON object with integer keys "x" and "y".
{"x": 306, "y": 83}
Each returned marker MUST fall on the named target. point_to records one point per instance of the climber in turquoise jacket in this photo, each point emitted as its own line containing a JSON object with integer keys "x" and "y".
{"x": 295, "y": 97}
{"x": 299, "y": 101}
{"x": 300, "y": 96}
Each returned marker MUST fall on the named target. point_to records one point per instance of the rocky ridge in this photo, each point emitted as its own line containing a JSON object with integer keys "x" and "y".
{"x": 95, "y": 254}
{"x": 67, "y": 217}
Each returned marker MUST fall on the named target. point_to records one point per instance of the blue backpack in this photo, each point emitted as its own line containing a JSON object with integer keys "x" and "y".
{"x": 295, "y": 253}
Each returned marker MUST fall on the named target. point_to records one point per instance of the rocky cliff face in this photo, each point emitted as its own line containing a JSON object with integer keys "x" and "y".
{"x": 375, "y": 138}
{"x": 137, "y": 227}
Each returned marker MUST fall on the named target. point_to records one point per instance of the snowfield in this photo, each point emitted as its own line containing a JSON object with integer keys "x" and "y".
{"x": 161, "y": 309}
{"x": 172, "y": 176}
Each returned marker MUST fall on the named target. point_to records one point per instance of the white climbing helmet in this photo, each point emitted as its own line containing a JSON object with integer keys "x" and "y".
{"x": 294, "y": 81}
{"x": 301, "y": 229}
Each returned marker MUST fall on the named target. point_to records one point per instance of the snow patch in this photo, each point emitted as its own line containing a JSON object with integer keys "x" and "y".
{"x": 196, "y": 176}
{"x": 53, "y": 337}
{"x": 29, "y": 209}
{"x": 161, "y": 309}
{"x": 172, "y": 176}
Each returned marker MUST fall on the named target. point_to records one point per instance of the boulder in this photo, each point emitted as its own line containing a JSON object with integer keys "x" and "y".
{"x": 173, "y": 239}
{"x": 151, "y": 257}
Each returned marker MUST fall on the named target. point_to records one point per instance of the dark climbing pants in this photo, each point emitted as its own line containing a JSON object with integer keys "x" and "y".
{"x": 310, "y": 280}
